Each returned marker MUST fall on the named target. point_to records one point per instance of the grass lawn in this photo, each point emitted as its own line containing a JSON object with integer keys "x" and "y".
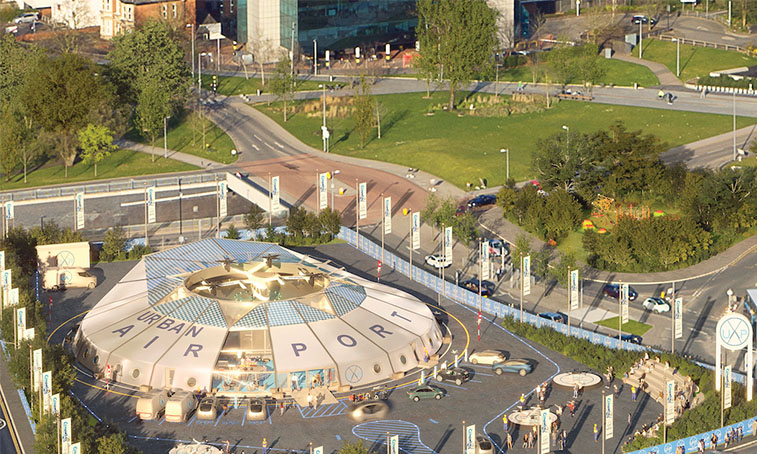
{"x": 632, "y": 326}
{"x": 182, "y": 137}
{"x": 695, "y": 61}
{"x": 618, "y": 72}
{"x": 122, "y": 163}
{"x": 231, "y": 86}
{"x": 464, "y": 149}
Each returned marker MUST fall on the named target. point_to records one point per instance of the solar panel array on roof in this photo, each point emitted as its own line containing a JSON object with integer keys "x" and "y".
{"x": 281, "y": 313}
{"x": 253, "y": 319}
{"x": 213, "y": 316}
{"x": 311, "y": 314}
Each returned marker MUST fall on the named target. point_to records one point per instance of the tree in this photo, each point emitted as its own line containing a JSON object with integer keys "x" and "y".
{"x": 464, "y": 228}
{"x": 353, "y": 448}
{"x": 330, "y": 222}
{"x": 255, "y": 219}
{"x": 563, "y": 214}
{"x": 282, "y": 83}
{"x": 562, "y": 66}
{"x": 152, "y": 108}
{"x": 362, "y": 111}
{"x": 10, "y": 142}
{"x": 112, "y": 444}
{"x": 232, "y": 233}
{"x": 96, "y": 144}
{"x": 115, "y": 243}
{"x": 458, "y": 36}
{"x": 59, "y": 95}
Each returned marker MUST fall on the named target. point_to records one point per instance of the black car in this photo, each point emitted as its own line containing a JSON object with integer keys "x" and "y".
{"x": 632, "y": 338}
{"x": 457, "y": 375}
{"x": 639, "y": 19}
{"x": 613, "y": 291}
{"x": 482, "y": 200}
{"x": 472, "y": 284}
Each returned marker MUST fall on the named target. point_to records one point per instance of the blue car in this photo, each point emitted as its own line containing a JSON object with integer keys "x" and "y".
{"x": 482, "y": 200}
{"x": 513, "y": 366}
{"x": 558, "y": 317}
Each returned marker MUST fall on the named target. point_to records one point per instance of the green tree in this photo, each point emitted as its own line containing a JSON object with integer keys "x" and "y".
{"x": 562, "y": 64}
{"x": 59, "y": 95}
{"x": 10, "y": 143}
{"x": 282, "y": 83}
{"x": 331, "y": 222}
{"x": 152, "y": 108}
{"x": 353, "y": 448}
{"x": 112, "y": 444}
{"x": 362, "y": 111}
{"x": 522, "y": 246}
{"x": 232, "y": 233}
{"x": 563, "y": 214}
{"x": 464, "y": 228}
{"x": 114, "y": 244}
{"x": 458, "y": 36}
{"x": 255, "y": 219}
{"x": 138, "y": 251}
{"x": 560, "y": 271}
{"x": 96, "y": 144}
{"x": 296, "y": 223}
{"x": 589, "y": 67}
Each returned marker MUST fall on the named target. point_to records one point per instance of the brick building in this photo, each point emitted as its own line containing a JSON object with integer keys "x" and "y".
{"x": 117, "y": 16}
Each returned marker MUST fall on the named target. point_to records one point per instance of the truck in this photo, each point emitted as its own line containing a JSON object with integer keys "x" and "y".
{"x": 152, "y": 404}
{"x": 179, "y": 406}
{"x": 60, "y": 278}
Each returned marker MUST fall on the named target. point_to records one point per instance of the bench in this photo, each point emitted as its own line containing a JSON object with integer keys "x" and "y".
{"x": 574, "y": 96}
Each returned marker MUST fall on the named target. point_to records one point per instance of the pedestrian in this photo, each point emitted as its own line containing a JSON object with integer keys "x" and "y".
{"x": 310, "y": 399}
{"x": 561, "y": 442}
{"x": 225, "y": 408}
{"x": 596, "y": 433}
{"x": 629, "y": 419}
{"x": 295, "y": 384}
{"x": 504, "y": 422}
{"x": 316, "y": 399}
{"x": 542, "y": 397}
{"x": 509, "y": 441}
{"x": 522, "y": 401}
{"x": 701, "y": 95}
{"x": 660, "y": 94}
{"x": 572, "y": 408}
{"x": 564, "y": 438}
{"x": 575, "y": 391}
{"x": 633, "y": 392}
{"x": 741, "y": 433}
{"x": 614, "y": 390}
{"x": 281, "y": 409}
{"x": 525, "y": 439}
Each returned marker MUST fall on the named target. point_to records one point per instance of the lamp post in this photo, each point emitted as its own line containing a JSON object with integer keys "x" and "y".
{"x": 734, "y": 125}
{"x": 192, "y": 26}
{"x": 641, "y": 36}
{"x": 507, "y": 152}
{"x": 408, "y": 212}
{"x": 324, "y": 129}
{"x": 678, "y": 56}
{"x": 165, "y": 139}
{"x": 315, "y": 57}
{"x": 567, "y": 135}
{"x": 331, "y": 177}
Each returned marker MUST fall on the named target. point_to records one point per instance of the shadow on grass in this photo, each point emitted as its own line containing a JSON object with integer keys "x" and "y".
{"x": 686, "y": 63}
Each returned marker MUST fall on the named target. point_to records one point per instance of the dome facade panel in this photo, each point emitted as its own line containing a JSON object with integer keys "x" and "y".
{"x": 254, "y": 319}
{"x": 212, "y": 316}
{"x": 281, "y": 313}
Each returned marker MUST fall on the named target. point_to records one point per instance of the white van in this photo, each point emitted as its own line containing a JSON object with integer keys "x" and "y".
{"x": 180, "y": 406}
{"x": 61, "y": 278}
{"x": 152, "y": 404}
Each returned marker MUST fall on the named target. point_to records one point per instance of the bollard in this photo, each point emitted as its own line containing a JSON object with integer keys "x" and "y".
{"x": 465, "y": 355}
{"x": 422, "y": 379}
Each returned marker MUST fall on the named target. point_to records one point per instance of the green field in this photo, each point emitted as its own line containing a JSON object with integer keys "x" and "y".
{"x": 618, "y": 72}
{"x": 122, "y": 163}
{"x": 232, "y": 86}
{"x": 464, "y": 149}
{"x": 695, "y": 61}
{"x": 632, "y": 326}
{"x": 181, "y": 137}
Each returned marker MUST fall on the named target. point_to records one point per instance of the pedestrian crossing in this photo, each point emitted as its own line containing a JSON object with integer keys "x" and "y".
{"x": 409, "y": 435}
{"x": 323, "y": 411}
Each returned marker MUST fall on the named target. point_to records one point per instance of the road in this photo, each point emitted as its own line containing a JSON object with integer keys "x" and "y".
{"x": 8, "y": 441}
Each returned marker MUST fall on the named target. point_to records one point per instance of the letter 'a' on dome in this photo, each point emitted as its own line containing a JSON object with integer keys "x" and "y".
{"x": 249, "y": 317}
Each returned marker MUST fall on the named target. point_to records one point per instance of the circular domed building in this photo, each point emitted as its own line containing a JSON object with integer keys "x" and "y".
{"x": 248, "y": 317}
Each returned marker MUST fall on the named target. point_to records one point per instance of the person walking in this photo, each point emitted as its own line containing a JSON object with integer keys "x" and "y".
{"x": 310, "y": 399}
{"x": 509, "y": 441}
{"x": 504, "y": 422}
{"x": 522, "y": 401}
{"x": 633, "y": 392}
{"x": 572, "y": 408}
{"x": 281, "y": 409}
{"x": 660, "y": 94}
{"x": 754, "y": 426}
{"x": 525, "y": 439}
{"x": 295, "y": 384}
{"x": 564, "y": 439}
{"x": 596, "y": 433}
{"x": 575, "y": 391}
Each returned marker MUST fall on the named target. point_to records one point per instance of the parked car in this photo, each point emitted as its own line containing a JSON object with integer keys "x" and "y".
{"x": 497, "y": 248}
{"x": 483, "y": 445}
{"x": 632, "y": 338}
{"x": 613, "y": 291}
{"x": 558, "y": 317}
{"x": 369, "y": 411}
{"x": 654, "y": 304}
{"x": 256, "y": 410}
{"x": 27, "y": 18}
{"x": 437, "y": 261}
{"x": 487, "y": 357}
{"x": 457, "y": 375}
{"x": 641, "y": 19}
{"x": 425, "y": 392}
{"x": 472, "y": 285}
{"x": 208, "y": 409}
{"x": 513, "y": 366}
{"x": 482, "y": 201}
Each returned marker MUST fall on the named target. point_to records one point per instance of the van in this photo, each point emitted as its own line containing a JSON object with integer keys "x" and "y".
{"x": 60, "y": 278}
{"x": 152, "y": 404}
{"x": 180, "y": 406}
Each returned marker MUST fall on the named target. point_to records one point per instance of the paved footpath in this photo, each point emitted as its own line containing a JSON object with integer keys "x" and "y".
{"x": 664, "y": 75}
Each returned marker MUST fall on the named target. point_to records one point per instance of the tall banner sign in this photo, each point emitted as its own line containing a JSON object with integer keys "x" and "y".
{"x": 29, "y": 334}
{"x": 362, "y": 196}
{"x": 470, "y": 439}
{"x": 526, "y": 275}
{"x": 485, "y": 265}
{"x": 573, "y": 290}
{"x": 608, "y": 428}
{"x": 678, "y": 314}
{"x": 394, "y": 444}
{"x": 323, "y": 186}
{"x": 670, "y": 400}
{"x": 47, "y": 390}
{"x": 624, "y": 303}
{"x": 223, "y": 209}
{"x": 318, "y": 450}
{"x": 65, "y": 434}
{"x": 75, "y": 448}
{"x": 20, "y": 322}
{"x": 9, "y": 214}
{"x": 37, "y": 368}
{"x": 387, "y": 215}
{"x": 79, "y": 210}
{"x": 55, "y": 404}
{"x": 13, "y": 297}
{"x": 447, "y": 245}
{"x": 2, "y": 261}
{"x": 416, "y": 231}
{"x": 275, "y": 194}
{"x": 727, "y": 380}
{"x": 151, "y": 205}
{"x": 7, "y": 280}
{"x": 544, "y": 431}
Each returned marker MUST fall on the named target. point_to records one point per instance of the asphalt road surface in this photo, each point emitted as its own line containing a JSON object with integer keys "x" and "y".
{"x": 8, "y": 442}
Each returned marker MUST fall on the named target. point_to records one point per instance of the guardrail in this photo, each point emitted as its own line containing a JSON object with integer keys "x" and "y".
{"x": 113, "y": 186}
{"x": 492, "y": 307}
{"x": 701, "y": 43}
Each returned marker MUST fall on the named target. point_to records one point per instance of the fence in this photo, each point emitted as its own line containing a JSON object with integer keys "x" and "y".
{"x": 489, "y": 306}
{"x": 701, "y": 43}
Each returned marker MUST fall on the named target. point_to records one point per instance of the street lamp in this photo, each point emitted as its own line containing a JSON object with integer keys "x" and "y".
{"x": 192, "y": 26}
{"x": 567, "y": 134}
{"x": 678, "y": 56}
{"x": 165, "y": 138}
{"x": 315, "y": 57}
{"x": 324, "y": 129}
{"x": 507, "y": 151}
{"x": 331, "y": 176}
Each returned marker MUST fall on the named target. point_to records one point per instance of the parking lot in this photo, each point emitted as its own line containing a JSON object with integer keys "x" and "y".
{"x": 425, "y": 426}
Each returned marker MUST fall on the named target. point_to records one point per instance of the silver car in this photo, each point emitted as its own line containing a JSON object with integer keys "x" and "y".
{"x": 369, "y": 410}
{"x": 487, "y": 357}
{"x": 256, "y": 410}
{"x": 208, "y": 409}
{"x": 483, "y": 445}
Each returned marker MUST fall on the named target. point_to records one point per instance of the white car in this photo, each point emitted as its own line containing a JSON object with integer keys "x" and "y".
{"x": 438, "y": 261}
{"x": 26, "y": 18}
{"x": 658, "y": 305}
{"x": 487, "y": 357}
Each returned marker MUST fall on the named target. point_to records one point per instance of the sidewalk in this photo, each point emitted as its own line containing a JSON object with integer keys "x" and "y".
{"x": 187, "y": 158}
{"x": 664, "y": 75}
